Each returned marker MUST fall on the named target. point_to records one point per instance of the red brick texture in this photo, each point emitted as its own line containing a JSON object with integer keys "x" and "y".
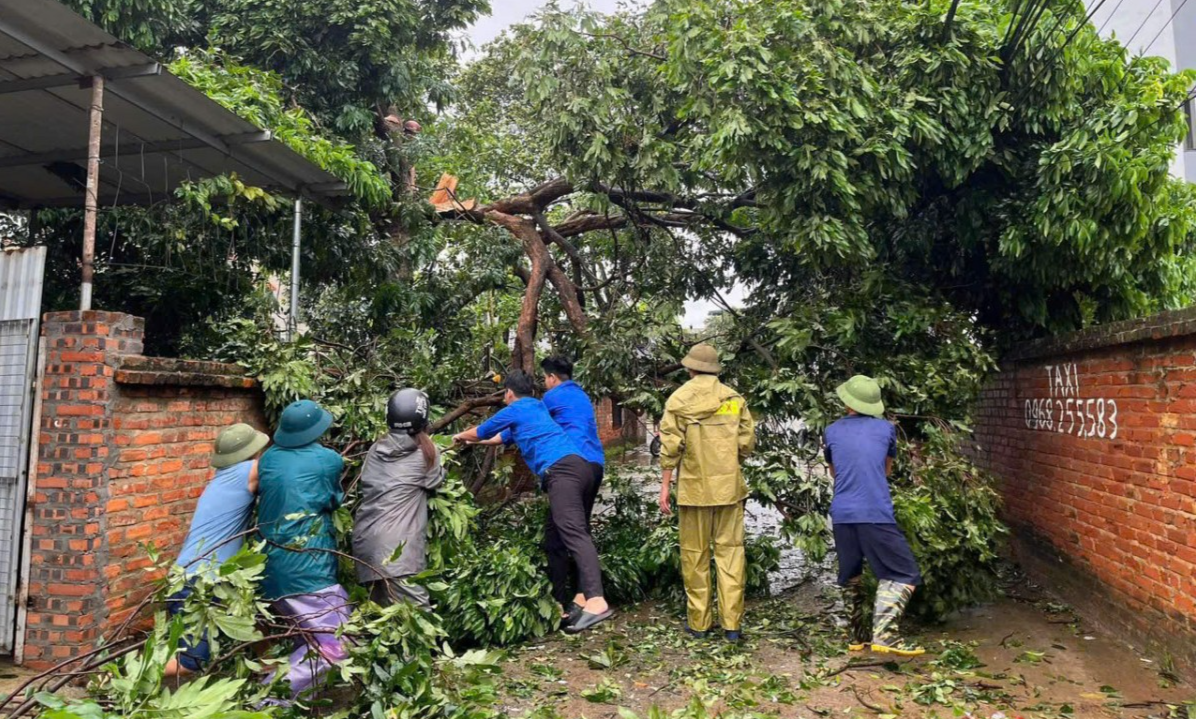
{"x": 124, "y": 450}
{"x": 1093, "y": 439}
{"x": 617, "y": 425}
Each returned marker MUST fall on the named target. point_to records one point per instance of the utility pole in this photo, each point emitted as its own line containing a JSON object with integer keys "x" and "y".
{"x": 293, "y": 318}
{"x": 91, "y": 197}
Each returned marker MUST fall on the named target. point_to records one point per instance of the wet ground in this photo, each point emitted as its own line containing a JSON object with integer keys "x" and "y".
{"x": 1013, "y": 658}
{"x": 1023, "y": 656}
{"x": 12, "y": 676}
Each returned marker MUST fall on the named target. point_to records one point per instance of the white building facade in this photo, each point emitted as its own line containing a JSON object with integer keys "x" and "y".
{"x": 1166, "y": 28}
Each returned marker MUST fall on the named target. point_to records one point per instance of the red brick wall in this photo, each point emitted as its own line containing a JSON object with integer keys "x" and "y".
{"x": 124, "y": 453}
{"x": 163, "y": 435}
{"x": 66, "y": 600}
{"x": 1093, "y": 437}
{"x": 629, "y": 428}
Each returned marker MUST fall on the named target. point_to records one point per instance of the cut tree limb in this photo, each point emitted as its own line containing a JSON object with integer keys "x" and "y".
{"x": 469, "y": 405}
{"x": 535, "y": 200}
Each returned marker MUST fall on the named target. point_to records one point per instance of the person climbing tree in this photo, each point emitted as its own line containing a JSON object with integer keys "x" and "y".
{"x": 708, "y": 431}
{"x": 859, "y": 451}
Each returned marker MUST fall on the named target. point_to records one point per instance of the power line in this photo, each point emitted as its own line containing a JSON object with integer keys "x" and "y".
{"x": 1126, "y": 78}
{"x": 1058, "y": 52}
{"x": 1146, "y": 20}
{"x": 1009, "y": 30}
{"x": 1034, "y": 10}
{"x": 1160, "y": 32}
{"x": 1112, "y": 14}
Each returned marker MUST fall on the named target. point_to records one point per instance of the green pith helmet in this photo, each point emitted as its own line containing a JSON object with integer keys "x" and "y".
{"x": 702, "y": 358}
{"x": 236, "y": 444}
{"x": 302, "y": 422}
{"x": 862, "y": 394}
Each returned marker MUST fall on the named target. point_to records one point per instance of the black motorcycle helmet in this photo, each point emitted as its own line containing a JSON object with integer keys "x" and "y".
{"x": 407, "y": 411}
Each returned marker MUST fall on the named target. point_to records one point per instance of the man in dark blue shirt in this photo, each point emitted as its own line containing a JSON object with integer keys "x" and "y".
{"x": 859, "y": 450}
{"x": 572, "y": 409}
{"x": 566, "y": 477}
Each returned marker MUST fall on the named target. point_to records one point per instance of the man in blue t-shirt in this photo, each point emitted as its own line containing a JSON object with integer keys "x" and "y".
{"x": 565, "y": 476}
{"x": 859, "y": 451}
{"x": 570, "y": 407}
{"x": 218, "y": 528}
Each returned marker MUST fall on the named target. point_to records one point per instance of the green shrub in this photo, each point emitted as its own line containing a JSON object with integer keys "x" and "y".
{"x": 948, "y": 509}
{"x": 636, "y": 543}
{"x": 763, "y": 558}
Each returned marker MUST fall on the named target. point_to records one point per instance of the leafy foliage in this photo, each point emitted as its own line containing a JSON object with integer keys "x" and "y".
{"x": 497, "y": 593}
{"x": 346, "y": 58}
{"x": 259, "y": 97}
{"x": 1031, "y": 188}
{"x": 895, "y": 197}
{"x": 149, "y": 25}
{"x": 949, "y": 512}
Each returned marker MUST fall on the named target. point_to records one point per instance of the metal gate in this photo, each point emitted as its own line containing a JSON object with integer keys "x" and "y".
{"x": 20, "y": 306}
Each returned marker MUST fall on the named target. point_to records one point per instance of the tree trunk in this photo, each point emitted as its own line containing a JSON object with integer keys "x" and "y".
{"x": 568, "y": 296}
{"x": 541, "y": 261}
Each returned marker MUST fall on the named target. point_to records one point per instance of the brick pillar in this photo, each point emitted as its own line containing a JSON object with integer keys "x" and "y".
{"x": 67, "y": 591}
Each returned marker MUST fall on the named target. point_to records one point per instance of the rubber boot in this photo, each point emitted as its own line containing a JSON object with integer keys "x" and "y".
{"x": 857, "y": 630}
{"x": 891, "y": 600}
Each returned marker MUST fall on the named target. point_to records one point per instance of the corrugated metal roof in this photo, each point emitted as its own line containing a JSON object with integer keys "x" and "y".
{"x": 158, "y": 131}
{"x": 21, "y": 283}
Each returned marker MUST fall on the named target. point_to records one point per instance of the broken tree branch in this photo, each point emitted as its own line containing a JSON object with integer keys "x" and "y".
{"x": 532, "y": 201}
{"x": 469, "y": 405}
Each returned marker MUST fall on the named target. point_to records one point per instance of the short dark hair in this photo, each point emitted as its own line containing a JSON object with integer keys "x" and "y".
{"x": 558, "y": 366}
{"x": 520, "y": 382}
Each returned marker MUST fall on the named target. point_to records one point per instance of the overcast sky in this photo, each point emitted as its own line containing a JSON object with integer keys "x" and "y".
{"x": 509, "y": 12}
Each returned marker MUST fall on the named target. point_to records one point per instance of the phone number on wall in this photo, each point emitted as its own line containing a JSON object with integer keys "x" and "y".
{"x": 1093, "y": 417}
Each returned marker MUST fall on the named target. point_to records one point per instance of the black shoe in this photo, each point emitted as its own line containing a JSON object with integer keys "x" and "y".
{"x": 587, "y": 620}
{"x": 695, "y": 633}
{"x": 573, "y": 615}
{"x": 734, "y": 635}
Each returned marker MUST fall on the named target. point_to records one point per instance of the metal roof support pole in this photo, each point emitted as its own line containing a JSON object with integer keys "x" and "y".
{"x": 91, "y": 198}
{"x": 293, "y": 317}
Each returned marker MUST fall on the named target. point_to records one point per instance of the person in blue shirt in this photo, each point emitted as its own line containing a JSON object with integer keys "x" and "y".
{"x": 860, "y": 449}
{"x": 570, "y": 407}
{"x": 565, "y": 476}
{"x": 218, "y": 528}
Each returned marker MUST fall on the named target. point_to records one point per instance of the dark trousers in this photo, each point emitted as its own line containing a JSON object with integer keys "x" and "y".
{"x": 572, "y": 486}
{"x": 885, "y": 548}
{"x": 195, "y": 652}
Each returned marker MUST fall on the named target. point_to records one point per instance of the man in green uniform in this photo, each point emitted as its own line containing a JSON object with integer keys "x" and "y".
{"x": 707, "y": 431}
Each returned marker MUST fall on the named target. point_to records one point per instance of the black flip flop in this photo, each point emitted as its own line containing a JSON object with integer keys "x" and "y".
{"x": 587, "y": 620}
{"x": 573, "y": 615}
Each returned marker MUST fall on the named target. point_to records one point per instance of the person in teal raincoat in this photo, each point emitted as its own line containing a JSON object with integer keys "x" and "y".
{"x": 299, "y": 489}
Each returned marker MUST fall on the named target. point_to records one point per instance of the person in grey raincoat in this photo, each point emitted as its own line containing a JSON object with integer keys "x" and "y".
{"x": 400, "y": 471}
